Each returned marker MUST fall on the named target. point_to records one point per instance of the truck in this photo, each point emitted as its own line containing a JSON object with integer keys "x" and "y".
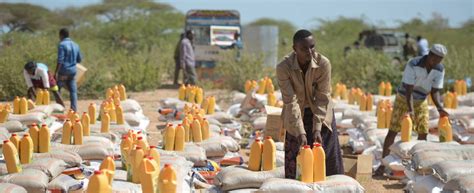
{"x": 390, "y": 42}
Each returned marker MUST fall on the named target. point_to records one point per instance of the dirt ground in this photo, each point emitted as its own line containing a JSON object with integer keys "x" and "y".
{"x": 150, "y": 102}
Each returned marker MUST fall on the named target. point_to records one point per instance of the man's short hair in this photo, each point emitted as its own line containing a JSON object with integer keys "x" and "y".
{"x": 30, "y": 66}
{"x": 64, "y": 32}
{"x": 300, "y": 35}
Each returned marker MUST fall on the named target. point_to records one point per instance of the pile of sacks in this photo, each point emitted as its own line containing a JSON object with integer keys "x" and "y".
{"x": 67, "y": 167}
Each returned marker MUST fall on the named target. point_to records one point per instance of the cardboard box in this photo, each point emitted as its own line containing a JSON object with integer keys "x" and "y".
{"x": 358, "y": 167}
{"x": 274, "y": 128}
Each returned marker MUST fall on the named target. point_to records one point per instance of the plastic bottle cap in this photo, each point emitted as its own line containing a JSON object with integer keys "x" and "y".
{"x": 84, "y": 113}
{"x": 268, "y": 137}
{"x": 67, "y": 120}
{"x": 140, "y": 132}
{"x": 257, "y": 140}
{"x": 91, "y": 104}
{"x": 138, "y": 147}
{"x": 152, "y": 146}
{"x": 14, "y": 134}
{"x": 167, "y": 165}
{"x": 204, "y": 119}
{"x": 97, "y": 172}
{"x": 179, "y": 125}
{"x": 317, "y": 144}
{"x": 26, "y": 135}
{"x": 34, "y": 124}
{"x": 77, "y": 120}
{"x": 124, "y": 137}
{"x": 170, "y": 125}
{"x": 140, "y": 138}
{"x": 306, "y": 147}
{"x": 149, "y": 158}
{"x": 106, "y": 113}
{"x": 195, "y": 119}
{"x": 6, "y": 141}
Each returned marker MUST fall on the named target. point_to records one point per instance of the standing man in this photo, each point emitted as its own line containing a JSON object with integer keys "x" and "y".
{"x": 423, "y": 75}
{"x": 37, "y": 76}
{"x": 410, "y": 48}
{"x": 177, "y": 67}
{"x": 186, "y": 58}
{"x": 423, "y": 46}
{"x": 68, "y": 56}
{"x": 304, "y": 77}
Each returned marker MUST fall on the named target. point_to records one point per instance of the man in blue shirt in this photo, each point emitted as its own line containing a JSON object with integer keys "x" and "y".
{"x": 69, "y": 56}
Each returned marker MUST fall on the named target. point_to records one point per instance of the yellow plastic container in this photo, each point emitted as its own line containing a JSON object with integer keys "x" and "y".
{"x": 105, "y": 123}
{"x": 182, "y": 92}
{"x": 463, "y": 87}
{"x": 199, "y": 96}
{"x": 363, "y": 103}
{"x": 125, "y": 147}
{"x": 92, "y": 110}
{"x": 448, "y": 101}
{"x": 381, "y": 118}
{"x": 445, "y": 130}
{"x": 16, "y": 105}
{"x": 248, "y": 85}
{"x": 319, "y": 168}
{"x": 136, "y": 157}
{"x": 149, "y": 172}
{"x": 34, "y": 134}
{"x": 31, "y": 104}
{"x": 123, "y": 92}
{"x": 142, "y": 143}
{"x": 268, "y": 154}
{"x": 44, "y": 139}
{"x": 75, "y": 116}
{"x": 99, "y": 183}
{"x": 271, "y": 99}
{"x": 112, "y": 114}
{"x": 407, "y": 126}
{"x": 206, "y": 133}
{"x": 382, "y": 89}
{"x": 67, "y": 132}
{"x": 46, "y": 97}
{"x": 86, "y": 124}
{"x": 170, "y": 134}
{"x": 10, "y": 154}
{"x": 261, "y": 86}
{"x": 167, "y": 179}
{"x": 116, "y": 101}
{"x": 192, "y": 95}
{"x": 23, "y": 105}
{"x": 212, "y": 105}
{"x": 196, "y": 130}
{"x": 153, "y": 152}
{"x": 255, "y": 158}
{"x": 370, "y": 102}
{"x": 179, "y": 138}
{"x": 78, "y": 133}
{"x": 26, "y": 149}
{"x": 454, "y": 103}
{"x": 307, "y": 164}
{"x": 15, "y": 140}
{"x": 70, "y": 114}
{"x": 388, "y": 89}
{"x": 351, "y": 97}
{"x": 39, "y": 97}
{"x": 109, "y": 93}
{"x": 120, "y": 117}
{"x": 186, "y": 127}
{"x": 205, "y": 104}
{"x": 4, "y": 115}
{"x": 270, "y": 88}
{"x": 108, "y": 167}
{"x": 344, "y": 92}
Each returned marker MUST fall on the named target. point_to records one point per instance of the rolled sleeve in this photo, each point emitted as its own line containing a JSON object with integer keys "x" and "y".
{"x": 291, "y": 114}
{"x": 409, "y": 75}
{"x": 322, "y": 94}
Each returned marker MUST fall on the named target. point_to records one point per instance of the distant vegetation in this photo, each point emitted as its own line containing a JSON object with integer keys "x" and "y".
{"x": 133, "y": 43}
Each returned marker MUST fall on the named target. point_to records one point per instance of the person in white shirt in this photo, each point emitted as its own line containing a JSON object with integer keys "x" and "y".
{"x": 37, "y": 77}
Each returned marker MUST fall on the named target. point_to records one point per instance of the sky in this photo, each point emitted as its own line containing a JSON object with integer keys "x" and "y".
{"x": 304, "y": 13}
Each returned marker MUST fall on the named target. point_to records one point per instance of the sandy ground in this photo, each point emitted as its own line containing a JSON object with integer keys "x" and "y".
{"x": 150, "y": 102}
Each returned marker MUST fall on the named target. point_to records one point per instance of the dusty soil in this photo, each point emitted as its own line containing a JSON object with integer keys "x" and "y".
{"x": 150, "y": 102}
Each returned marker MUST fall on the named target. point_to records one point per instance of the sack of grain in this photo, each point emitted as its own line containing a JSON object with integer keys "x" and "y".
{"x": 30, "y": 179}
{"x": 64, "y": 183}
{"x": 218, "y": 146}
{"x": 402, "y": 149}
{"x": 393, "y": 162}
{"x": 238, "y": 177}
{"x": 13, "y": 126}
{"x": 130, "y": 106}
{"x": 71, "y": 158}
{"x": 29, "y": 118}
{"x": 11, "y": 188}
{"x": 462, "y": 184}
{"x": 50, "y": 166}
{"x": 424, "y": 160}
{"x": 448, "y": 170}
{"x": 194, "y": 154}
{"x": 332, "y": 184}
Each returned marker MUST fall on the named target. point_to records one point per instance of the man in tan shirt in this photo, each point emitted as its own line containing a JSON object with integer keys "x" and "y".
{"x": 304, "y": 77}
